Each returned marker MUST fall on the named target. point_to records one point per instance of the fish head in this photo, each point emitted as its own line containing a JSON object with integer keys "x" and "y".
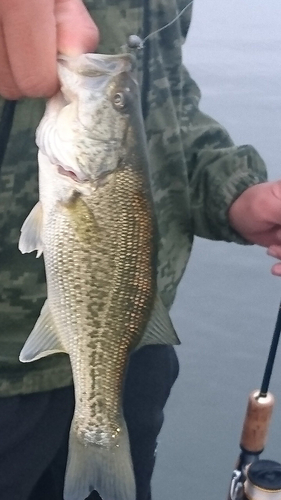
{"x": 87, "y": 124}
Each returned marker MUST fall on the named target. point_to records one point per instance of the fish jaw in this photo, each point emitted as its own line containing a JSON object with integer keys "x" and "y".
{"x": 85, "y": 124}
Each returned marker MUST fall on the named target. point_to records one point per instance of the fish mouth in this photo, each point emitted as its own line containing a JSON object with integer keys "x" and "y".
{"x": 96, "y": 64}
{"x": 87, "y": 76}
{"x": 71, "y": 174}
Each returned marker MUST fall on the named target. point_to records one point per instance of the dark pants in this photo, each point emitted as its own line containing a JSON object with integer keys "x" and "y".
{"x": 34, "y": 430}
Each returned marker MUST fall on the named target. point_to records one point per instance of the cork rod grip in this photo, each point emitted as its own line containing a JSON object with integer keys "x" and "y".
{"x": 257, "y": 421}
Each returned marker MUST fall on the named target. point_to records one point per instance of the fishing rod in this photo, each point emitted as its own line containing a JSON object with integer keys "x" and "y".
{"x": 255, "y": 479}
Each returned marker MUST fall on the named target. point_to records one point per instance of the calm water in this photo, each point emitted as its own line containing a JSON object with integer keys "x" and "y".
{"x": 227, "y": 302}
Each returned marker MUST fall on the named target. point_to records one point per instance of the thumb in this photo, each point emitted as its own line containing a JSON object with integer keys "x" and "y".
{"x": 76, "y": 31}
{"x": 274, "y": 201}
{"x": 276, "y": 188}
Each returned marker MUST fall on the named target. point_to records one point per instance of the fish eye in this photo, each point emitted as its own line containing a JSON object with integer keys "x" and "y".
{"x": 119, "y": 100}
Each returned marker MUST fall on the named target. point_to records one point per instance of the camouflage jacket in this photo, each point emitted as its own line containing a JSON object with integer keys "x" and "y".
{"x": 197, "y": 173}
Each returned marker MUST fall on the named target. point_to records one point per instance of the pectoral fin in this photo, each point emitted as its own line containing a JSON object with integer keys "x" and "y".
{"x": 43, "y": 339}
{"x": 159, "y": 329}
{"x": 30, "y": 238}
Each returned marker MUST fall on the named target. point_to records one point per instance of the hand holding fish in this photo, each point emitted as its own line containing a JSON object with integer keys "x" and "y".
{"x": 256, "y": 215}
{"x": 31, "y": 35}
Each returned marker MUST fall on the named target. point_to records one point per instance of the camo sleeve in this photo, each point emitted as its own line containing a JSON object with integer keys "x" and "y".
{"x": 218, "y": 172}
{"x": 198, "y": 156}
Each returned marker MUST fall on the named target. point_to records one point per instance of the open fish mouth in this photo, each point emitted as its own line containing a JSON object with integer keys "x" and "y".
{"x": 70, "y": 134}
{"x": 71, "y": 174}
{"x": 95, "y": 64}
{"x": 69, "y": 115}
{"x": 88, "y": 75}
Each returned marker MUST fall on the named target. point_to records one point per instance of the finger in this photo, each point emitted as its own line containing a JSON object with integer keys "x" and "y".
{"x": 8, "y": 87}
{"x": 76, "y": 31}
{"x": 278, "y": 235}
{"x": 30, "y": 35}
{"x": 273, "y": 201}
{"x": 274, "y": 251}
{"x": 265, "y": 238}
{"x": 276, "y": 270}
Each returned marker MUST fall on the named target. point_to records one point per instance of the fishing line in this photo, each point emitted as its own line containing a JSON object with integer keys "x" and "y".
{"x": 168, "y": 24}
{"x": 135, "y": 42}
{"x": 145, "y": 61}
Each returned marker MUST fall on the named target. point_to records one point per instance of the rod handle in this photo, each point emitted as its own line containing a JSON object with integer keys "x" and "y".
{"x": 257, "y": 421}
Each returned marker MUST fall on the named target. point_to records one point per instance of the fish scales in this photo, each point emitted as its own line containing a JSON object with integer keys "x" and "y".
{"x": 95, "y": 224}
{"x": 105, "y": 244}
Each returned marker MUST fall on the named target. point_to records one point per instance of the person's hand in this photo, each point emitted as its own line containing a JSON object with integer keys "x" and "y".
{"x": 256, "y": 215}
{"x": 32, "y": 32}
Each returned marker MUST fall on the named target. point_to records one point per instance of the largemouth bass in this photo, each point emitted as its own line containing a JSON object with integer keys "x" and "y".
{"x": 95, "y": 224}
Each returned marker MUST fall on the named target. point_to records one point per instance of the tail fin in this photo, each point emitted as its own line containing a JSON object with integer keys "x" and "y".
{"x": 92, "y": 467}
